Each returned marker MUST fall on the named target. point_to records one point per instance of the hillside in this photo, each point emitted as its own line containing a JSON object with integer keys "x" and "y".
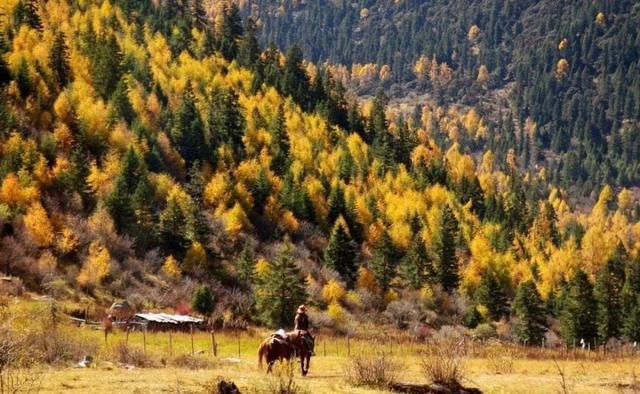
{"x": 151, "y": 152}
{"x": 571, "y": 67}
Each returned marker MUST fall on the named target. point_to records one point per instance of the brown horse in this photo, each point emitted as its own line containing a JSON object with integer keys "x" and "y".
{"x": 276, "y": 348}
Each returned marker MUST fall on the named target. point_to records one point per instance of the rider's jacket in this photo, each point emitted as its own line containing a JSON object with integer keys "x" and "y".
{"x": 302, "y": 322}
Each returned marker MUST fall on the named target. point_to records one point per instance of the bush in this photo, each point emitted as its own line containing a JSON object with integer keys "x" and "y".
{"x": 281, "y": 381}
{"x": 378, "y": 370}
{"x": 130, "y": 355}
{"x": 443, "y": 363}
{"x": 191, "y": 362}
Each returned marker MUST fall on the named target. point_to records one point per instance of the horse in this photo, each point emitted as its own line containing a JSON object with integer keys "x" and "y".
{"x": 283, "y": 347}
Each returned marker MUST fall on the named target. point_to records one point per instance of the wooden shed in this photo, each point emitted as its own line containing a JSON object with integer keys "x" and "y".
{"x": 167, "y": 322}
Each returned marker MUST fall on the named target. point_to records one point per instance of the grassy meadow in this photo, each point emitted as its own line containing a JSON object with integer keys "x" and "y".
{"x": 122, "y": 365}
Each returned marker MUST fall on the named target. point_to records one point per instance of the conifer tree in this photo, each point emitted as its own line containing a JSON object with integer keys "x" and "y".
{"x": 608, "y": 294}
{"x": 280, "y": 290}
{"x": 187, "y": 131}
{"x": 59, "y": 60}
{"x": 341, "y": 253}
{"x": 446, "y": 250}
{"x": 120, "y": 106}
{"x": 529, "y": 312}
{"x": 202, "y": 300}
{"x": 631, "y": 301}
{"x": 416, "y": 267}
{"x": 32, "y": 15}
{"x": 23, "y": 79}
{"x": 229, "y": 32}
{"x": 336, "y": 203}
{"x": 245, "y": 265}
{"x": 491, "y": 294}
{"x": 226, "y": 123}
{"x": 280, "y": 143}
{"x": 294, "y": 81}
{"x": 248, "y": 48}
{"x": 578, "y": 317}
{"x": 106, "y": 65}
{"x": 383, "y": 263}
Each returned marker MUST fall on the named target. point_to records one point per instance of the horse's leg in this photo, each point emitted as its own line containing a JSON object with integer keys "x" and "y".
{"x": 269, "y": 366}
{"x": 308, "y": 362}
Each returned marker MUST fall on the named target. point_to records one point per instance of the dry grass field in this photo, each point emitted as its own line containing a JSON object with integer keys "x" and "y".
{"x": 147, "y": 364}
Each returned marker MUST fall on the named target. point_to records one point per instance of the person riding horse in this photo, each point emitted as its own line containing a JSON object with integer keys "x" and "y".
{"x": 301, "y": 325}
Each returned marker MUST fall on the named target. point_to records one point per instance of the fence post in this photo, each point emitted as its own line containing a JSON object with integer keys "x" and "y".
{"x": 348, "y": 346}
{"x": 192, "y": 348}
{"x": 324, "y": 343}
{"x": 239, "y": 333}
{"x": 214, "y": 348}
{"x": 144, "y": 339}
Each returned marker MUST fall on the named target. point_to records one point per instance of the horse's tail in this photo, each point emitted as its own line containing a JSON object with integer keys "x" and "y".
{"x": 262, "y": 350}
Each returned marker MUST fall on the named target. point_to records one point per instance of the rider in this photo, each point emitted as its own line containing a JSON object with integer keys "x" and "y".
{"x": 302, "y": 320}
{"x": 301, "y": 324}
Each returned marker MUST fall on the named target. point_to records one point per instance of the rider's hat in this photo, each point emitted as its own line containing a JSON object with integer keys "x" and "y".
{"x": 302, "y": 309}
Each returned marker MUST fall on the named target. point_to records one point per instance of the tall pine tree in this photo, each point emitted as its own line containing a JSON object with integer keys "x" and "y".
{"x": 529, "y": 311}
{"x": 578, "y": 317}
{"x": 341, "y": 253}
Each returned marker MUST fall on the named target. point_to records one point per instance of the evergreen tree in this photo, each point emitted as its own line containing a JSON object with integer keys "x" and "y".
{"x": 294, "y": 81}
{"x": 383, "y": 263}
{"x": 416, "y": 267}
{"x": 202, "y": 301}
{"x": 24, "y": 80}
{"x": 245, "y": 264}
{"x": 32, "y": 15}
{"x": 229, "y": 32}
{"x": 280, "y": 290}
{"x": 578, "y": 317}
{"x": 119, "y": 202}
{"x": 187, "y": 131}
{"x": 491, "y": 294}
{"x": 226, "y": 123}
{"x": 631, "y": 301}
{"x": 249, "y": 49}
{"x": 199, "y": 18}
{"x": 341, "y": 253}
{"x": 106, "y": 65}
{"x": 529, "y": 312}
{"x": 446, "y": 250}
{"x": 336, "y": 203}
{"x": 280, "y": 143}
{"x": 383, "y": 143}
{"x": 120, "y": 107}
{"x": 59, "y": 60}
{"x": 608, "y": 294}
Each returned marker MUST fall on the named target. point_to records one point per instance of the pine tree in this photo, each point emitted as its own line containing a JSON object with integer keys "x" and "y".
{"x": 280, "y": 290}
{"x": 341, "y": 253}
{"x": 32, "y": 15}
{"x": 119, "y": 202}
{"x": 24, "y": 80}
{"x": 245, "y": 265}
{"x": 446, "y": 250}
{"x": 608, "y": 294}
{"x": 106, "y": 65}
{"x": 529, "y": 312}
{"x": 226, "y": 123}
{"x": 120, "y": 106}
{"x": 578, "y": 317}
{"x": 59, "y": 60}
{"x": 416, "y": 267}
{"x": 383, "y": 263}
{"x": 631, "y": 301}
{"x": 229, "y": 32}
{"x": 336, "y": 203}
{"x": 199, "y": 18}
{"x": 294, "y": 81}
{"x": 379, "y": 136}
{"x": 248, "y": 48}
{"x": 491, "y": 294}
{"x": 280, "y": 143}
{"x": 187, "y": 131}
{"x": 202, "y": 300}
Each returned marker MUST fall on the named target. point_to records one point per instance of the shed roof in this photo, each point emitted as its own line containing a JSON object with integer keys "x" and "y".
{"x": 167, "y": 318}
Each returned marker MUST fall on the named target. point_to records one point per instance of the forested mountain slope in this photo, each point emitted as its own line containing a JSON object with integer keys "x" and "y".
{"x": 152, "y": 151}
{"x": 572, "y": 67}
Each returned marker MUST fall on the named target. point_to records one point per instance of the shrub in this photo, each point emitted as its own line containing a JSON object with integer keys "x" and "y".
{"x": 281, "y": 381}
{"x": 191, "y": 362}
{"x": 130, "y": 355}
{"x": 379, "y": 370}
{"x": 443, "y": 363}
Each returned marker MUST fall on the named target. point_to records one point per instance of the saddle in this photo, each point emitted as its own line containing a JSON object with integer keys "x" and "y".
{"x": 280, "y": 337}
